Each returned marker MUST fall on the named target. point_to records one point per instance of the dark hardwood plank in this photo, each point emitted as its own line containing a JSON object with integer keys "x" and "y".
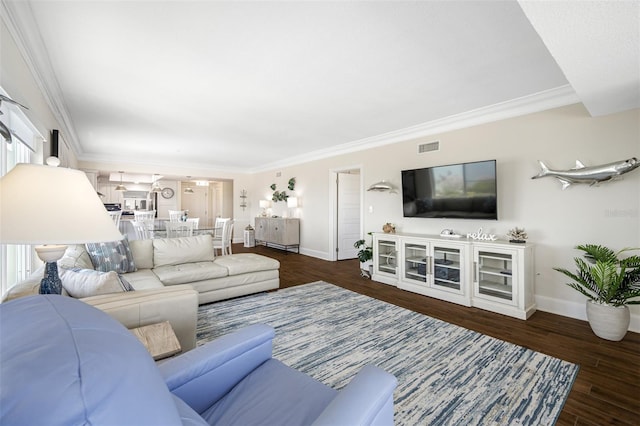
{"x": 607, "y": 389}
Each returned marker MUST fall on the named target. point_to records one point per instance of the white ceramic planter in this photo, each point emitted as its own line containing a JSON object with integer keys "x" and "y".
{"x": 607, "y": 321}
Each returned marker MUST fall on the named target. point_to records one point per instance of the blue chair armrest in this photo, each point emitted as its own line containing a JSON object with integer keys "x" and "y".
{"x": 366, "y": 400}
{"x": 203, "y": 375}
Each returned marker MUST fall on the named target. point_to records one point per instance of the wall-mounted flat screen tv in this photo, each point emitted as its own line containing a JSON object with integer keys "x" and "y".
{"x": 456, "y": 191}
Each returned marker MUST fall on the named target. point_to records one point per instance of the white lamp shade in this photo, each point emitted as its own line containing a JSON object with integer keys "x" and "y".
{"x": 264, "y": 204}
{"x": 292, "y": 202}
{"x": 50, "y": 205}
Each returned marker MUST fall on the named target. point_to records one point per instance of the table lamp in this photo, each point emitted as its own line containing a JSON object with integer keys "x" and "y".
{"x": 51, "y": 207}
{"x": 264, "y": 205}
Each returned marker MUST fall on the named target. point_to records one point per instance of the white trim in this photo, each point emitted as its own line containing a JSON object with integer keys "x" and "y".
{"x": 22, "y": 26}
{"x": 541, "y": 101}
{"x": 575, "y": 310}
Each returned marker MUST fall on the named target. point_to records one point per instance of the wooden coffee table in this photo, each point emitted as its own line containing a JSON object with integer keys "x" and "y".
{"x": 159, "y": 339}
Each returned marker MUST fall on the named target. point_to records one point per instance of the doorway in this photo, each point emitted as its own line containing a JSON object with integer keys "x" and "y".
{"x": 197, "y": 203}
{"x": 346, "y": 212}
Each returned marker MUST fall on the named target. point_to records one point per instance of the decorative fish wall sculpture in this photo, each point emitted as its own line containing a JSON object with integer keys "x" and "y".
{"x": 589, "y": 175}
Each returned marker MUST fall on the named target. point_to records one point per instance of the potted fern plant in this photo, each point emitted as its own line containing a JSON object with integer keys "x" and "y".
{"x": 365, "y": 256}
{"x": 610, "y": 283}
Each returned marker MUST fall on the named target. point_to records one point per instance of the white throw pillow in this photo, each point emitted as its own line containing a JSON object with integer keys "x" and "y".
{"x": 87, "y": 282}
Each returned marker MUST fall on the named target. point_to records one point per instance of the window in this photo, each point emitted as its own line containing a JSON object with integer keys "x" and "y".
{"x": 15, "y": 260}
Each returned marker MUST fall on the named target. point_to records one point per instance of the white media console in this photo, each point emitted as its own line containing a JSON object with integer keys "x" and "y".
{"x": 493, "y": 275}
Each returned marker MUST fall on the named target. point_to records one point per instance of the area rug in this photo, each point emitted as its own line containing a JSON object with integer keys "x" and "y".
{"x": 446, "y": 374}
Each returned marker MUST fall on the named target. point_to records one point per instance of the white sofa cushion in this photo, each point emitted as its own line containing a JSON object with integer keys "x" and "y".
{"x": 244, "y": 263}
{"x": 189, "y": 272}
{"x": 88, "y": 282}
{"x": 174, "y": 251}
{"x": 75, "y": 257}
{"x": 142, "y": 252}
{"x": 143, "y": 279}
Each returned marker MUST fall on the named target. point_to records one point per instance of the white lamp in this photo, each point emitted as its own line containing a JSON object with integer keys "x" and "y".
{"x": 52, "y": 206}
{"x": 292, "y": 203}
{"x": 264, "y": 204}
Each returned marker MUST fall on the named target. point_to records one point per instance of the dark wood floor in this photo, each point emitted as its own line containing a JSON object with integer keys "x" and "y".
{"x": 607, "y": 389}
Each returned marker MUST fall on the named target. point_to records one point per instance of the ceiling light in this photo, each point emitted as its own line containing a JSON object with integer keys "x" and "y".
{"x": 155, "y": 186}
{"x": 120, "y": 187}
{"x": 188, "y": 189}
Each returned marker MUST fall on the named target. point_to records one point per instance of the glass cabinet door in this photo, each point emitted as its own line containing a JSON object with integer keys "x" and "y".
{"x": 416, "y": 262}
{"x": 446, "y": 267}
{"x": 386, "y": 256}
{"x": 494, "y": 275}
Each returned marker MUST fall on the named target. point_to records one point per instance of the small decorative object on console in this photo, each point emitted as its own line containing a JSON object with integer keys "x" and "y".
{"x": 389, "y": 228}
{"x": 479, "y": 235}
{"x": 517, "y": 235}
{"x": 449, "y": 233}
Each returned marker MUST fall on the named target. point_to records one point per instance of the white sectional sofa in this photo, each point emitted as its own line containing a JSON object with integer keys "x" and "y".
{"x": 169, "y": 278}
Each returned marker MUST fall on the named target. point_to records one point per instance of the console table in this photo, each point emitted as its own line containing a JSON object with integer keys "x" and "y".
{"x": 278, "y": 232}
{"x": 494, "y": 275}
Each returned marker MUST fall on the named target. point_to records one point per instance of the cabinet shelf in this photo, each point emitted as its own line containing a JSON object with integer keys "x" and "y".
{"x": 420, "y": 260}
{"x": 499, "y": 272}
{"x": 495, "y": 256}
{"x": 413, "y": 273}
{"x": 447, "y": 283}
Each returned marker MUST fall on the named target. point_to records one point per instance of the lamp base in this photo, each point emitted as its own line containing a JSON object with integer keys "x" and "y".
{"x": 51, "y": 283}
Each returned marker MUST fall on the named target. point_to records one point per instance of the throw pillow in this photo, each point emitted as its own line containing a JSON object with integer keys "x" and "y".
{"x": 112, "y": 256}
{"x": 75, "y": 256}
{"x": 87, "y": 282}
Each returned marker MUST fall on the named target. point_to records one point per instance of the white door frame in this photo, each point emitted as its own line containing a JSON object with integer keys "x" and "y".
{"x": 333, "y": 207}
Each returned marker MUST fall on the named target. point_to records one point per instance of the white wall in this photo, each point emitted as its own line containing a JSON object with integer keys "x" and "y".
{"x": 555, "y": 220}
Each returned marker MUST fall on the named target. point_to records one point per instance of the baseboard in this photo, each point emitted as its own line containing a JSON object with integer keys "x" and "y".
{"x": 315, "y": 253}
{"x": 575, "y": 310}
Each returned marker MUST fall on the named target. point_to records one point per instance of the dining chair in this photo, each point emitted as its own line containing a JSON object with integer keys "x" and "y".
{"x": 176, "y": 215}
{"x": 224, "y": 243}
{"x": 179, "y": 229}
{"x": 143, "y": 228}
{"x": 195, "y": 220}
{"x": 144, "y": 215}
{"x": 219, "y": 227}
{"x": 115, "y": 216}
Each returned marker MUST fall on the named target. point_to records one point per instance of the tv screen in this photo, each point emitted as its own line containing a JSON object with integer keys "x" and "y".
{"x": 456, "y": 191}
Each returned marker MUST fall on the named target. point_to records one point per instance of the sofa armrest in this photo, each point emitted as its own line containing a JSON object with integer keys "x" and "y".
{"x": 202, "y": 376}
{"x": 177, "y": 304}
{"x": 371, "y": 391}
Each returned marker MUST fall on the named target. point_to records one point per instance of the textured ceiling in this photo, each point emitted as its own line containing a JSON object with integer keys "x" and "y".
{"x": 244, "y": 85}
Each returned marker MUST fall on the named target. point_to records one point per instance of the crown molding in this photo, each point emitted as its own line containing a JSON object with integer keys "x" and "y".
{"x": 22, "y": 26}
{"x": 541, "y": 101}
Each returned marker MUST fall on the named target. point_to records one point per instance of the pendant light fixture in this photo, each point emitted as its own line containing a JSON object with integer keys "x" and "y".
{"x": 188, "y": 189}
{"x": 120, "y": 187}
{"x": 155, "y": 186}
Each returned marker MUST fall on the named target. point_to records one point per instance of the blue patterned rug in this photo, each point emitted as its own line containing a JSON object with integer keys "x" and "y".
{"x": 447, "y": 375}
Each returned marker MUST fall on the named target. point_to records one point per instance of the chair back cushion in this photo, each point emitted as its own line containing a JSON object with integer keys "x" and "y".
{"x": 65, "y": 362}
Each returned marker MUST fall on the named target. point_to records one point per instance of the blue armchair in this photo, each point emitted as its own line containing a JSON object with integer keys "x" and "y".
{"x": 64, "y": 362}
